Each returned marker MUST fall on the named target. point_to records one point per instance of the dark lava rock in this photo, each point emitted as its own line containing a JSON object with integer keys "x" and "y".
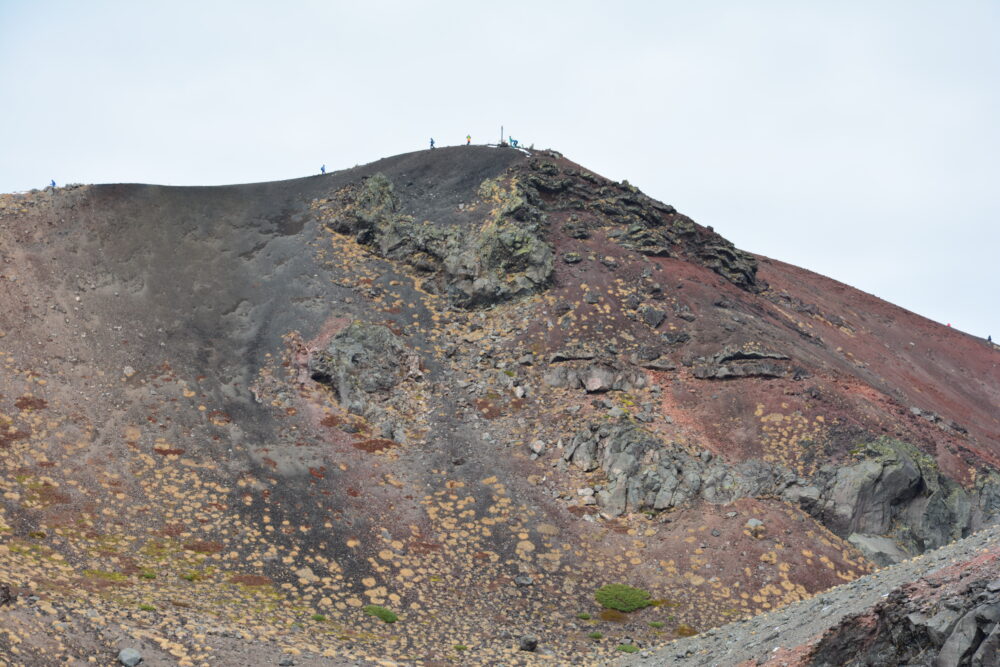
{"x": 7, "y": 595}
{"x": 961, "y": 631}
{"x": 652, "y": 315}
{"x": 745, "y": 362}
{"x": 893, "y": 486}
{"x": 595, "y": 378}
{"x": 646, "y": 474}
{"x": 675, "y": 337}
{"x": 572, "y": 354}
{"x": 659, "y": 365}
{"x": 476, "y": 266}
{"x": 363, "y": 359}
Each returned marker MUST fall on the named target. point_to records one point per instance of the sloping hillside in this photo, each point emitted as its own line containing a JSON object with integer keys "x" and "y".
{"x": 940, "y": 608}
{"x": 469, "y": 386}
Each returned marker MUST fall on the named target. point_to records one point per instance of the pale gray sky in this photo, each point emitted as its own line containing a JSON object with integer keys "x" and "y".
{"x": 858, "y": 139}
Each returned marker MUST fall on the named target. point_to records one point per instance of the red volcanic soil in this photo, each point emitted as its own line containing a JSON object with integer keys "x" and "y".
{"x": 175, "y": 473}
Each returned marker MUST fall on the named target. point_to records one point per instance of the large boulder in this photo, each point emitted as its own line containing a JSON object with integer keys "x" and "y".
{"x": 893, "y": 487}
{"x": 361, "y": 361}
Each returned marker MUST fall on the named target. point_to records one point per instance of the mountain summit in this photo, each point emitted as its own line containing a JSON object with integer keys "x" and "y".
{"x": 471, "y": 405}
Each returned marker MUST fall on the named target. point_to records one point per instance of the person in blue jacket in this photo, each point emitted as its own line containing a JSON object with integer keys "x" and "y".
{"x": 53, "y": 183}
{"x": 322, "y": 169}
{"x": 432, "y": 142}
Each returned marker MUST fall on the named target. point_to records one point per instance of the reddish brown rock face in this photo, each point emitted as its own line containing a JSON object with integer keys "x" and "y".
{"x": 576, "y": 385}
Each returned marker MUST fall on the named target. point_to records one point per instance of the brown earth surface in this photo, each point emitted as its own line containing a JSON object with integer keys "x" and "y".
{"x": 175, "y": 479}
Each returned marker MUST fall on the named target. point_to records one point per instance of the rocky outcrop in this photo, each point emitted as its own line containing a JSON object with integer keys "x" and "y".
{"x": 892, "y": 488}
{"x": 652, "y": 228}
{"x": 594, "y": 378}
{"x": 504, "y": 257}
{"x": 960, "y": 630}
{"x": 644, "y": 473}
{"x": 733, "y": 362}
{"x": 892, "y": 502}
{"x": 362, "y": 364}
{"x": 641, "y": 223}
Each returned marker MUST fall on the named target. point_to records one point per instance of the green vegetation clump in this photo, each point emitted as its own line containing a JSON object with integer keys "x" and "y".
{"x": 628, "y": 648}
{"x": 460, "y": 647}
{"x": 147, "y": 574}
{"x": 583, "y": 616}
{"x": 318, "y": 617}
{"x": 386, "y": 615}
{"x": 656, "y": 624}
{"x": 622, "y": 598}
{"x": 146, "y": 607}
{"x": 595, "y": 635}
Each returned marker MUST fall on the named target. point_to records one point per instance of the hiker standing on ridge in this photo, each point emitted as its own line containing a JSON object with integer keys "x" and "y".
{"x": 432, "y": 143}
{"x": 512, "y": 140}
{"x": 468, "y": 139}
{"x": 322, "y": 169}
{"x": 53, "y": 183}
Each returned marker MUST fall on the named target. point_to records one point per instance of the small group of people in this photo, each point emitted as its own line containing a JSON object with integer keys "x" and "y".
{"x": 468, "y": 141}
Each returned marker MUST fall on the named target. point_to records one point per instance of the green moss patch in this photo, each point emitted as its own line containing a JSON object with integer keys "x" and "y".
{"x": 622, "y": 598}
{"x": 385, "y": 615}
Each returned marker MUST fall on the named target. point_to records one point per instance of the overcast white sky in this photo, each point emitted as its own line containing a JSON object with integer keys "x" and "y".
{"x": 859, "y": 139}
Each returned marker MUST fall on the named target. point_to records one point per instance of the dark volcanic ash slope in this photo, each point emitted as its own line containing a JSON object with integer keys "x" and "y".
{"x": 469, "y": 385}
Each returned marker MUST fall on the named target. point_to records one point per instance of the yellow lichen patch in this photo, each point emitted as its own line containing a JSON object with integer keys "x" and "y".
{"x": 769, "y": 557}
{"x": 789, "y": 439}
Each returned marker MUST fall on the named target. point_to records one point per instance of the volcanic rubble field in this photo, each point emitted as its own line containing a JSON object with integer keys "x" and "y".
{"x": 467, "y": 386}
